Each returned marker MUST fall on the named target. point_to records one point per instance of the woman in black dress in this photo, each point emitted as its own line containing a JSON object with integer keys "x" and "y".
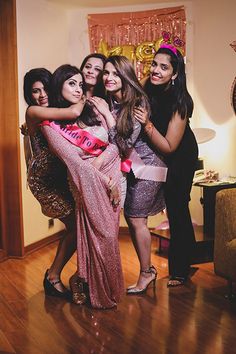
{"x": 169, "y": 133}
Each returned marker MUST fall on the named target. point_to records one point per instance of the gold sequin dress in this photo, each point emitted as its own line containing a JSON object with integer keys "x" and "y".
{"x": 99, "y": 262}
{"x": 47, "y": 180}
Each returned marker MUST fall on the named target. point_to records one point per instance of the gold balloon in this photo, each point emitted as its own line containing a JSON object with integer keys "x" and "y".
{"x": 115, "y": 51}
{"x": 146, "y": 68}
{"x": 158, "y": 43}
{"x": 103, "y": 47}
{"x": 126, "y": 50}
{"x": 129, "y": 52}
{"x": 144, "y": 51}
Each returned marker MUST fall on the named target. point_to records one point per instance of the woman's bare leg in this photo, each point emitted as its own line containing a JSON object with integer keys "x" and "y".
{"x": 141, "y": 238}
{"x": 65, "y": 250}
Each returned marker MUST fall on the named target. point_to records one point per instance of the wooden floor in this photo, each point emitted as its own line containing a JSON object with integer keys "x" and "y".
{"x": 192, "y": 319}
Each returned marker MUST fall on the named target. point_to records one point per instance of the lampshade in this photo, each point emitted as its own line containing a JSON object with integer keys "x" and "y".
{"x": 203, "y": 135}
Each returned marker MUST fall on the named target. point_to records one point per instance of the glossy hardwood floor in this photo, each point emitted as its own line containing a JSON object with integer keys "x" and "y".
{"x": 192, "y": 319}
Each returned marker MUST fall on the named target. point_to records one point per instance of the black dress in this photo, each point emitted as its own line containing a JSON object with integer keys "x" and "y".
{"x": 181, "y": 167}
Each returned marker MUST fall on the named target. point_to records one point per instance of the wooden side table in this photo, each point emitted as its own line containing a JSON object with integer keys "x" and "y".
{"x": 208, "y": 202}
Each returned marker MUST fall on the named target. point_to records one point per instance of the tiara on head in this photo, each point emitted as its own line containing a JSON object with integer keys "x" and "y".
{"x": 170, "y": 42}
{"x": 170, "y": 47}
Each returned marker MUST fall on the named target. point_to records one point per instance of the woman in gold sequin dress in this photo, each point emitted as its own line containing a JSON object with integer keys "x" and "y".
{"x": 47, "y": 175}
{"x": 95, "y": 184}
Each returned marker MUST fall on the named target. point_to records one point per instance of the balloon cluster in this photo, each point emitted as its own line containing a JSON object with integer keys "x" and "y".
{"x": 144, "y": 52}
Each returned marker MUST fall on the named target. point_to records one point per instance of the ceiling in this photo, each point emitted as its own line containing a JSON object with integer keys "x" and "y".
{"x": 107, "y": 3}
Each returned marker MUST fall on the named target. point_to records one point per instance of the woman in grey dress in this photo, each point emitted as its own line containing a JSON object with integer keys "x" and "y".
{"x": 145, "y": 180}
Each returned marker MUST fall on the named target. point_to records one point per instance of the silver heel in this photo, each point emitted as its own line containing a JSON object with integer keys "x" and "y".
{"x": 135, "y": 291}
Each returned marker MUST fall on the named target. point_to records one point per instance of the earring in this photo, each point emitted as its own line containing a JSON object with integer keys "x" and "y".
{"x": 173, "y": 82}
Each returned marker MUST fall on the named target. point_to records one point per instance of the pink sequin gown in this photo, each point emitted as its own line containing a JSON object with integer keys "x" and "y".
{"x": 98, "y": 253}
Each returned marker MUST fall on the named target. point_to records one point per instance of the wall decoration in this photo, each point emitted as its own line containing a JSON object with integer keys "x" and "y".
{"x": 137, "y": 34}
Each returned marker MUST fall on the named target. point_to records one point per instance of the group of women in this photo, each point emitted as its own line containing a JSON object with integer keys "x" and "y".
{"x": 101, "y": 141}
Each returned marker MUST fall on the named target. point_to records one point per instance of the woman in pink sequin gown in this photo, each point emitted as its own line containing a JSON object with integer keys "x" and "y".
{"x": 95, "y": 182}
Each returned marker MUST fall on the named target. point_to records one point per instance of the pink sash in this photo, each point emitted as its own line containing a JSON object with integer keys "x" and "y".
{"x": 79, "y": 137}
{"x": 125, "y": 165}
{"x": 147, "y": 172}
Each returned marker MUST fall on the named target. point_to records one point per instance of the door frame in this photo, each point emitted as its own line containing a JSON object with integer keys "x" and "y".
{"x": 11, "y": 213}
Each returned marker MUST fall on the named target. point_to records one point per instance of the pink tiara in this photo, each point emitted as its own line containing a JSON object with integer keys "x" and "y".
{"x": 171, "y": 42}
{"x": 170, "y": 47}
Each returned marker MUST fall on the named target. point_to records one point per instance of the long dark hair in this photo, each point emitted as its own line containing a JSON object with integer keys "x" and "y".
{"x": 92, "y": 55}
{"x": 38, "y": 74}
{"x": 133, "y": 94}
{"x": 182, "y": 101}
{"x": 99, "y": 85}
{"x": 60, "y": 75}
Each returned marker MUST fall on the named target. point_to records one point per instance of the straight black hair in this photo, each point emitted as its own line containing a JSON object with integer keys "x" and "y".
{"x": 183, "y": 103}
{"x": 38, "y": 74}
{"x": 92, "y": 55}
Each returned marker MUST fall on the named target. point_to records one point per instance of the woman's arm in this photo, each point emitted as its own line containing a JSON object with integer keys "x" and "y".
{"x": 166, "y": 144}
{"x": 38, "y": 114}
{"x": 123, "y": 143}
{"x": 110, "y": 153}
{"x": 102, "y": 106}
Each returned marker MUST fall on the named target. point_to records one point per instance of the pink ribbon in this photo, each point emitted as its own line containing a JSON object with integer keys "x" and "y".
{"x": 147, "y": 172}
{"x": 79, "y": 137}
{"x": 125, "y": 165}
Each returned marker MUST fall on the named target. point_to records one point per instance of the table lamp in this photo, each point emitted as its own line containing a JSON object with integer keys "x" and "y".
{"x": 203, "y": 135}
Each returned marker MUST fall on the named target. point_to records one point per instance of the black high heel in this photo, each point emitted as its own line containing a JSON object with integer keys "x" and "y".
{"x": 50, "y": 289}
{"x": 175, "y": 281}
{"x": 134, "y": 291}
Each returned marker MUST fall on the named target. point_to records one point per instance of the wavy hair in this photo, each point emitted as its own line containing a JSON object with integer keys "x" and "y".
{"x": 133, "y": 94}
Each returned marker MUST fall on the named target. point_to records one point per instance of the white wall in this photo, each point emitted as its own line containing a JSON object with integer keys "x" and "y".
{"x": 42, "y": 41}
{"x": 50, "y": 35}
{"x": 214, "y": 71}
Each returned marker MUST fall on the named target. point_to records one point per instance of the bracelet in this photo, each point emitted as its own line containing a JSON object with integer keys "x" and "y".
{"x": 149, "y": 127}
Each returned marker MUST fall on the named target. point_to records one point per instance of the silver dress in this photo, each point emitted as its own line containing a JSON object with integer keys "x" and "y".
{"x": 143, "y": 197}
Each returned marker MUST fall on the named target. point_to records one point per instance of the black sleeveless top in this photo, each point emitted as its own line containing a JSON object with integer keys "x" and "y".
{"x": 182, "y": 162}
{"x": 161, "y": 114}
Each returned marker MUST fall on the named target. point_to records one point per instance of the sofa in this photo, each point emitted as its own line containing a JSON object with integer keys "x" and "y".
{"x": 225, "y": 236}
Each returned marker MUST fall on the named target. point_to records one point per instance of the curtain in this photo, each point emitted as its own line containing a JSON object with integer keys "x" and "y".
{"x": 137, "y": 34}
